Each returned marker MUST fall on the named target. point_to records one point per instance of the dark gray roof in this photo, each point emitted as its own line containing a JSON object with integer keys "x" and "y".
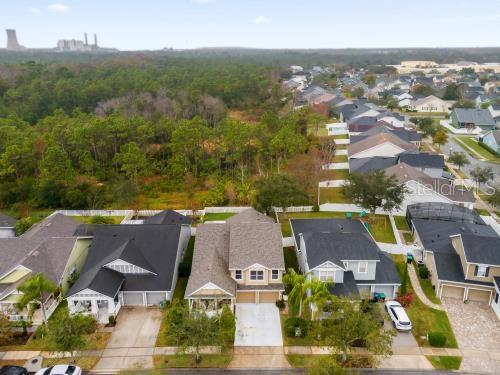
{"x": 403, "y": 134}
{"x": 443, "y": 211}
{"x": 449, "y": 268}
{"x": 495, "y": 134}
{"x": 338, "y": 247}
{"x": 475, "y": 116}
{"x": 376, "y": 163}
{"x": 481, "y": 249}
{"x": 386, "y": 272}
{"x": 7, "y": 221}
{"x": 346, "y": 288}
{"x": 57, "y": 225}
{"x": 435, "y": 234}
{"x": 422, "y": 159}
{"x": 168, "y": 217}
{"x": 128, "y": 252}
{"x": 157, "y": 244}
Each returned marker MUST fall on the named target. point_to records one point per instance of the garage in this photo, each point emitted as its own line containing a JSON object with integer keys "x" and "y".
{"x": 479, "y": 295}
{"x": 245, "y": 297}
{"x": 388, "y": 290}
{"x": 268, "y": 297}
{"x": 364, "y": 291}
{"x": 154, "y": 298}
{"x": 449, "y": 291}
{"x": 133, "y": 298}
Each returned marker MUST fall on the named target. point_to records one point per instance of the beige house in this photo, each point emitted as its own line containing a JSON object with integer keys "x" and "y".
{"x": 431, "y": 103}
{"x": 382, "y": 144}
{"x": 240, "y": 261}
{"x": 463, "y": 258}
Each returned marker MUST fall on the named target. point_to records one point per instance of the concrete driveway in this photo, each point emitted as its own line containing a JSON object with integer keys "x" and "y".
{"x": 136, "y": 328}
{"x": 258, "y": 325}
{"x": 402, "y": 339}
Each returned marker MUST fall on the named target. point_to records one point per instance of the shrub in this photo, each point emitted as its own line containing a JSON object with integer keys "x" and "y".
{"x": 423, "y": 272}
{"x": 111, "y": 320}
{"x": 437, "y": 339}
{"x": 227, "y": 324}
{"x": 405, "y": 299}
{"x": 98, "y": 219}
{"x": 184, "y": 269}
{"x": 86, "y": 323}
{"x": 280, "y": 304}
{"x": 292, "y": 323}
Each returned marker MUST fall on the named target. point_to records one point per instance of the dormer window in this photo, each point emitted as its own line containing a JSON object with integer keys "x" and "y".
{"x": 362, "y": 267}
{"x": 257, "y": 275}
{"x": 482, "y": 271}
{"x": 238, "y": 275}
{"x": 275, "y": 275}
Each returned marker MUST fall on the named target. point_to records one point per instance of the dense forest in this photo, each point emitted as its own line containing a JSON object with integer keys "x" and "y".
{"x": 129, "y": 133}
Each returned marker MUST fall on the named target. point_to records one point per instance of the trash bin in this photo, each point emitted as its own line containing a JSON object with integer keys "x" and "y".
{"x": 409, "y": 257}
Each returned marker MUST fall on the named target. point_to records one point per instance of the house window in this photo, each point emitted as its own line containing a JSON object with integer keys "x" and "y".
{"x": 327, "y": 275}
{"x": 362, "y": 267}
{"x": 481, "y": 271}
{"x": 275, "y": 275}
{"x": 257, "y": 275}
{"x": 238, "y": 275}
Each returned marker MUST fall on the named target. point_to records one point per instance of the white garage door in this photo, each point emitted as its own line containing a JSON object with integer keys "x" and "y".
{"x": 154, "y": 298}
{"x": 132, "y": 298}
{"x": 388, "y": 290}
{"x": 479, "y": 295}
{"x": 453, "y": 292}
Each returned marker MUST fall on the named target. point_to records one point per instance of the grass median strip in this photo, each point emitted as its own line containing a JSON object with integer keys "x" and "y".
{"x": 445, "y": 362}
{"x": 189, "y": 361}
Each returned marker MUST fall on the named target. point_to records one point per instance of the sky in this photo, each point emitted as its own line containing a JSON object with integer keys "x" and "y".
{"x": 155, "y": 24}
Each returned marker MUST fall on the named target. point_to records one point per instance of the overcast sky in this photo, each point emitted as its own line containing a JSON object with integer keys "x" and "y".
{"x": 155, "y": 24}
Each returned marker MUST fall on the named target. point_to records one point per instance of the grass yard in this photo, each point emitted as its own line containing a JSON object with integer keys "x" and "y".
{"x": 408, "y": 237}
{"x": 286, "y": 230}
{"x": 381, "y": 229}
{"x": 188, "y": 361}
{"x": 423, "y": 318}
{"x": 218, "y": 216}
{"x": 445, "y": 362}
{"x": 332, "y": 195}
{"x": 308, "y": 340}
{"x": 341, "y": 136}
{"x": 290, "y": 258}
{"x": 305, "y": 361}
{"x": 428, "y": 289}
{"x": 340, "y": 159}
{"x": 334, "y": 174}
{"x": 87, "y": 219}
{"x": 482, "y": 212}
{"x": 180, "y": 289}
{"x": 172, "y": 200}
{"x": 86, "y": 363}
{"x": 473, "y": 144}
{"x": 401, "y": 223}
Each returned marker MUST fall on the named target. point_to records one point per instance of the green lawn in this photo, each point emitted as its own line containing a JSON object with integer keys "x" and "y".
{"x": 401, "y": 223}
{"x": 332, "y": 195}
{"x": 290, "y": 258}
{"x": 334, "y": 174}
{"x": 218, "y": 216}
{"x": 305, "y": 361}
{"x": 445, "y": 362}
{"x": 408, "y": 237}
{"x": 286, "y": 230}
{"x": 381, "y": 229}
{"x": 423, "y": 318}
{"x": 473, "y": 144}
{"x": 180, "y": 288}
{"x": 87, "y": 219}
{"x": 340, "y": 159}
{"x": 428, "y": 290}
{"x": 482, "y": 212}
{"x": 188, "y": 361}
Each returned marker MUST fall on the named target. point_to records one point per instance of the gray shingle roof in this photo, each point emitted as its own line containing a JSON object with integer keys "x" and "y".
{"x": 157, "y": 243}
{"x": 365, "y": 165}
{"x": 378, "y": 139}
{"x": 345, "y": 289}
{"x": 481, "y": 249}
{"x": 475, "y": 116}
{"x": 7, "y": 221}
{"x": 57, "y": 225}
{"x": 422, "y": 159}
{"x": 386, "y": 272}
{"x": 168, "y": 217}
{"x": 449, "y": 268}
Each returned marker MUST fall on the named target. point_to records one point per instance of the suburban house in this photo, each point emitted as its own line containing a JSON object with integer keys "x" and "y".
{"x": 404, "y": 99}
{"x": 471, "y": 118}
{"x": 430, "y": 164}
{"x": 343, "y": 252}
{"x": 49, "y": 248}
{"x": 463, "y": 258}
{"x": 410, "y": 136}
{"x": 423, "y": 188}
{"x": 495, "y": 113}
{"x": 7, "y": 226}
{"x": 430, "y": 103}
{"x": 381, "y": 144}
{"x": 492, "y": 140}
{"x": 129, "y": 265}
{"x": 239, "y": 261}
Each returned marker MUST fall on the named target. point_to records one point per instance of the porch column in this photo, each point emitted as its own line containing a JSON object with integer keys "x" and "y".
{"x": 93, "y": 306}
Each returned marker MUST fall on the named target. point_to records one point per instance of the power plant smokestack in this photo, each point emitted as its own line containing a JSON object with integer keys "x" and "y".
{"x": 12, "y": 43}
{"x": 86, "y": 39}
{"x": 95, "y": 40}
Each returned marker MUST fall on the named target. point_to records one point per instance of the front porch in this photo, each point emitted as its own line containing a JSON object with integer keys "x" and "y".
{"x": 99, "y": 306}
{"x": 211, "y": 305}
{"x": 32, "y": 313}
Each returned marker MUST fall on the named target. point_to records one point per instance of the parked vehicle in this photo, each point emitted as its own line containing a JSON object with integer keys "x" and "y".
{"x": 60, "y": 370}
{"x": 13, "y": 370}
{"x": 400, "y": 319}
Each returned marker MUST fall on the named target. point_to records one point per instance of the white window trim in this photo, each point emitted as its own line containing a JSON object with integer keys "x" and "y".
{"x": 323, "y": 275}
{"x": 479, "y": 266}
{"x": 236, "y": 275}
{"x": 257, "y": 273}
{"x": 277, "y": 274}
{"x": 366, "y": 267}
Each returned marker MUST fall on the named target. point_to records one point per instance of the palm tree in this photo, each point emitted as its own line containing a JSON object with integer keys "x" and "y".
{"x": 298, "y": 293}
{"x": 34, "y": 290}
{"x": 318, "y": 295}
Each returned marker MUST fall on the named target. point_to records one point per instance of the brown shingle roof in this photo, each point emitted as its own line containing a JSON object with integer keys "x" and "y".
{"x": 249, "y": 216}
{"x": 379, "y": 139}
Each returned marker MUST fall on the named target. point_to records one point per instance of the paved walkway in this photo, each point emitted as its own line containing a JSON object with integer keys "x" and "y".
{"x": 259, "y": 357}
{"x": 395, "y": 230}
{"x": 415, "y": 282}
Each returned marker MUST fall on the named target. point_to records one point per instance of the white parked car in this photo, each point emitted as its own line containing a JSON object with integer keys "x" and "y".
{"x": 60, "y": 370}
{"x": 400, "y": 319}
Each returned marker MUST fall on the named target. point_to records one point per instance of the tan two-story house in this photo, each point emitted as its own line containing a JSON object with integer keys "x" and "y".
{"x": 239, "y": 261}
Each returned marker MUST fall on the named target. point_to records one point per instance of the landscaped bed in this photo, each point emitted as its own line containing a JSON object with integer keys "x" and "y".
{"x": 423, "y": 318}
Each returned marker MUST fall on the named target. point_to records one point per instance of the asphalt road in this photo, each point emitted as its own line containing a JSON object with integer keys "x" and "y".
{"x": 286, "y": 372}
